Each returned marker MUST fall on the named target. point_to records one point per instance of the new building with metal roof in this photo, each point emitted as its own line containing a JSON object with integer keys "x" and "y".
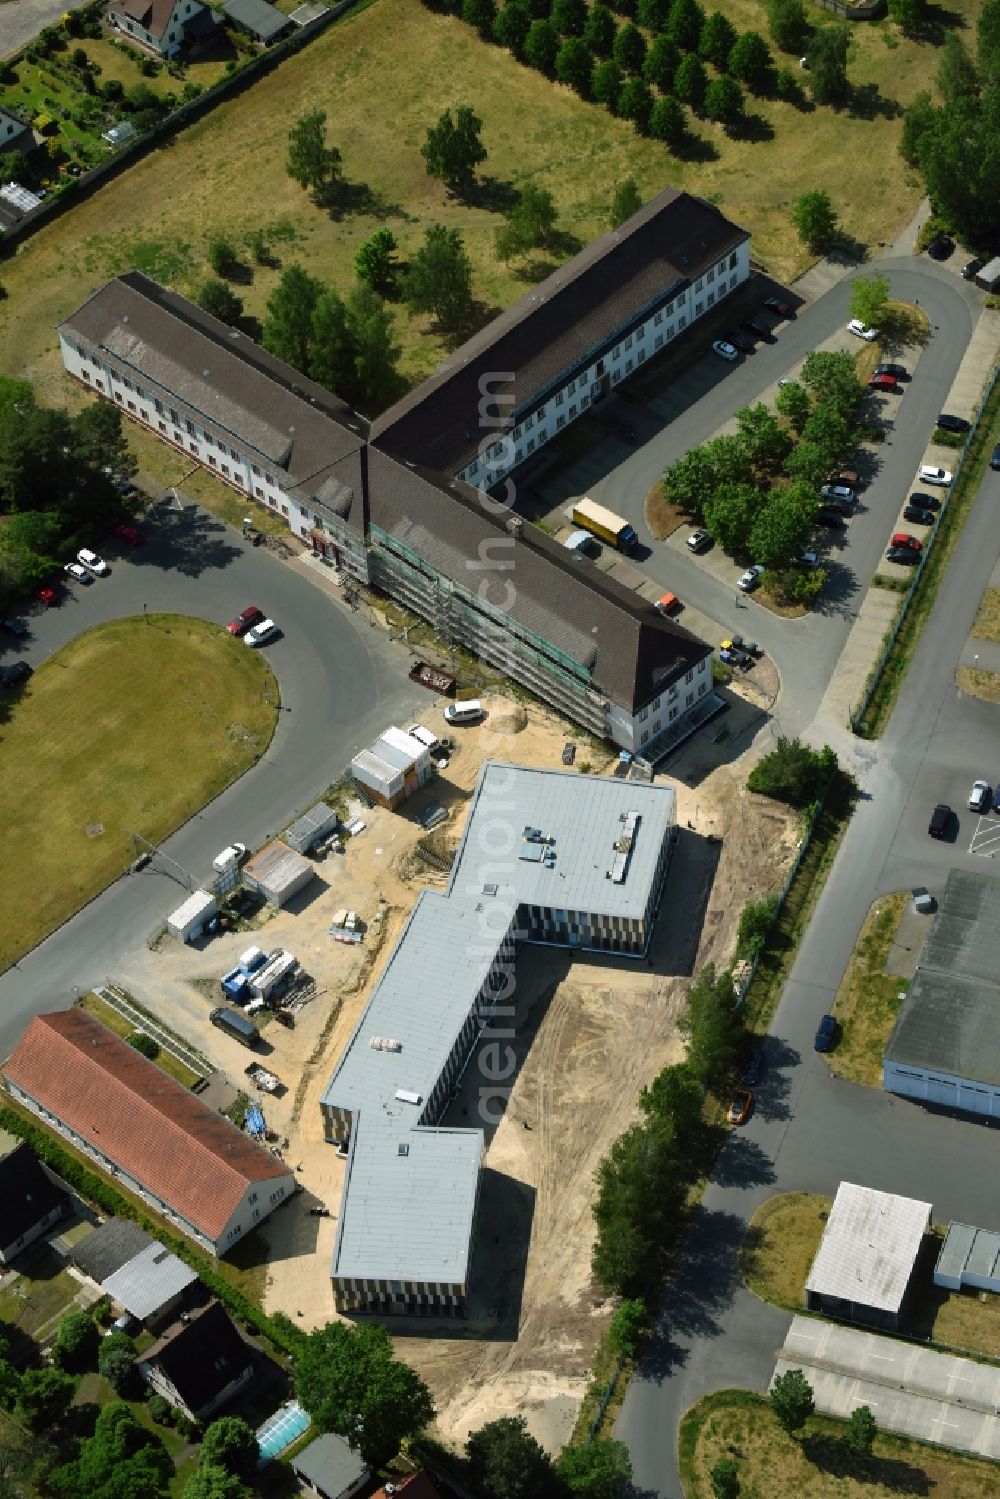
{"x": 865, "y": 1260}
{"x": 546, "y": 857}
{"x": 969, "y": 1257}
{"x": 151, "y": 1283}
{"x": 945, "y": 1045}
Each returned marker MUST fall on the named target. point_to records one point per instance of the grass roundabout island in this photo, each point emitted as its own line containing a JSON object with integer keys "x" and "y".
{"x": 132, "y": 727}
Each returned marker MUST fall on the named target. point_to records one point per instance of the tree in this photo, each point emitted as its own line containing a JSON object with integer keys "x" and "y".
{"x": 787, "y": 86}
{"x": 724, "y": 1478}
{"x": 606, "y": 84}
{"x": 832, "y": 375}
{"x": 376, "y": 354}
{"x": 569, "y": 17}
{"x": 374, "y": 262}
{"x": 453, "y": 149}
{"x": 221, "y": 255}
{"x": 43, "y": 1397}
{"x": 729, "y": 515}
{"x": 507, "y": 1463}
{"x": 756, "y": 920}
{"x": 690, "y": 482}
{"x": 230, "y": 1443}
{"x": 684, "y": 24}
{"x": 861, "y": 1431}
{"x": 440, "y": 278}
{"x": 780, "y": 530}
{"x": 796, "y": 774}
{"x": 76, "y": 1342}
{"x": 750, "y": 62}
{"x": 209, "y": 1482}
{"x": 288, "y": 325}
{"x": 629, "y": 1326}
{"x": 764, "y": 441}
{"x": 258, "y": 247}
{"x": 988, "y": 42}
{"x": 541, "y": 46}
{"x": 598, "y": 1470}
{"x": 909, "y": 15}
{"x": 676, "y": 1097}
{"x": 717, "y": 39}
{"x": 918, "y": 118}
{"x": 826, "y": 54}
{"x": 311, "y": 163}
{"x": 668, "y": 122}
{"x": 729, "y": 459}
{"x": 220, "y": 301}
{"x": 528, "y": 223}
{"x": 121, "y": 1460}
{"x": 661, "y": 64}
{"x": 959, "y": 158}
{"x": 99, "y": 441}
{"x": 350, "y": 1383}
{"x": 787, "y": 23}
{"x": 635, "y": 103}
{"x": 724, "y": 101}
{"x": 629, "y": 50}
{"x": 869, "y": 298}
{"x": 331, "y": 345}
{"x": 146, "y": 1047}
{"x": 815, "y": 219}
{"x": 626, "y": 201}
{"x": 575, "y": 65}
{"x": 792, "y": 1398}
{"x": 511, "y": 27}
{"x": 481, "y": 14}
{"x": 793, "y": 403}
{"x": 600, "y": 30}
{"x": 653, "y": 14}
{"x": 956, "y": 75}
{"x": 116, "y": 1361}
{"x": 691, "y": 81}
{"x": 711, "y": 1021}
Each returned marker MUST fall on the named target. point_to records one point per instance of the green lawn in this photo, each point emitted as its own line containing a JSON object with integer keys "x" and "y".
{"x": 131, "y": 727}
{"x": 869, "y": 999}
{"x": 35, "y": 1302}
{"x": 116, "y": 1022}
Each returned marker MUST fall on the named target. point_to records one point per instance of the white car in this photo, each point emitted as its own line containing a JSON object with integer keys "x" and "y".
{"x": 981, "y": 796}
{"x": 234, "y": 854}
{"x": 931, "y": 475}
{"x": 748, "y": 581}
{"x": 724, "y": 350}
{"x": 861, "y": 330}
{"x": 78, "y": 574}
{"x": 262, "y": 633}
{"x": 93, "y": 563}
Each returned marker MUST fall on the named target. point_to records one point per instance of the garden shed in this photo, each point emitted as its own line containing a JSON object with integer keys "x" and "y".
{"x": 277, "y": 873}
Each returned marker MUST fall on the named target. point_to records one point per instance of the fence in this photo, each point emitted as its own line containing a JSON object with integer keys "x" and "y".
{"x": 595, "y": 1425}
{"x": 875, "y": 676}
{"x": 183, "y": 115}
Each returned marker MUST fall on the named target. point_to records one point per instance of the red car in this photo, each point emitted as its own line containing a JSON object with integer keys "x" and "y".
{"x": 48, "y": 596}
{"x": 740, "y": 1107}
{"x": 883, "y": 382}
{"x": 904, "y": 539}
{"x": 130, "y": 534}
{"x": 245, "y": 621}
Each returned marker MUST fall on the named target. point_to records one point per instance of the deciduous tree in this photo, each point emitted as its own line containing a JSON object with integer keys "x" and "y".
{"x": 480, "y": 14}
{"x": 440, "y": 278}
{"x": 506, "y": 1462}
{"x": 606, "y": 84}
{"x": 311, "y": 162}
{"x": 815, "y": 219}
{"x": 780, "y": 530}
{"x": 626, "y": 201}
{"x": 676, "y": 1097}
{"x": 791, "y": 1394}
{"x": 909, "y": 15}
{"x": 691, "y": 81}
{"x": 350, "y": 1383}
{"x": 635, "y": 103}
{"x": 629, "y": 1326}
{"x": 750, "y": 62}
{"x": 793, "y": 773}
{"x": 684, "y": 24}
{"x": 764, "y": 441}
{"x": 75, "y": 1347}
{"x": 793, "y": 403}
{"x": 718, "y": 36}
{"x": 918, "y": 118}
{"x": 711, "y": 1021}
{"x": 288, "y": 325}
{"x": 956, "y": 74}
{"x": 959, "y": 160}
{"x": 600, "y": 30}
{"x": 724, "y": 101}
{"x": 221, "y": 255}
{"x": 453, "y": 148}
{"x": 595, "y": 1470}
{"x": 661, "y": 64}
{"x": 870, "y": 298}
{"x": 861, "y": 1431}
{"x": 43, "y": 1397}
{"x": 374, "y": 261}
{"x": 218, "y": 299}
{"x": 569, "y": 17}
{"x": 575, "y": 65}
{"x": 511, "y": 27}
{"x": 629, "y": 50}
{"x": 668, "y": 122}
{"x": 729, "y": 515}
{"x": 230, "y": 1443}
{"x": 541, "y": 46}
{"x": 211, "y": 1482}
{"x": 116, "y": 1362}
{"x": 725, "y": 1479}
{"x": 376, "y": 353}
{"x": 528, "y": 224}
{"x": 787, "y": 23}
{"x": 826, "y": 54}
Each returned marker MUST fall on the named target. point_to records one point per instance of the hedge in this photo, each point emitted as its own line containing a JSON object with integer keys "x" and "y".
{"x": 280, "y": 1330}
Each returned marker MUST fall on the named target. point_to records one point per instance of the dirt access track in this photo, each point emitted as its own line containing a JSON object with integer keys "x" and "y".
{"x": 591, "y": 1032}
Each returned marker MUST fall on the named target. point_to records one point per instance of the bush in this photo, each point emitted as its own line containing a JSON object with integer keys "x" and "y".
{"x": 161, "y": 1410}
{"x": 793, "y": 773}
{"x": 116, "y": 1362}
{"x": 144, "y": 1045}
{"x": 76, "y": 1343}
{"x": 755, "y": 923}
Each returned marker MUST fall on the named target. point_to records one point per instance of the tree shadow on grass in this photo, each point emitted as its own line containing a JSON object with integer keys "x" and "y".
{"x": 559, "y": 246}
{"x": 867, "y": 103}
{"x": 935, "y": 24}
{"x": 695, "y": 148}
{"x": 902, "y": 327}
{"x": 480, "y": 314}
{"x": 832, "y": 1455}
{"x": 346, "y": 197}
{"x": 490, "y": 194}
{"x": 844, "y": 249}
{"x": 751, "y": 128}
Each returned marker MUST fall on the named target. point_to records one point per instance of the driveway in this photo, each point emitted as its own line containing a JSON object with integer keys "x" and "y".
{"x": 810, "y": 1130}
{"x": 341, "y": 683}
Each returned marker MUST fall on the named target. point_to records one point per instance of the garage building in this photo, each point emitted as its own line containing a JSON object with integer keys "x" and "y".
{"x": 393, "y": 768}
{"x": 945, "y": 1045}
{"x": 277, "y": 873}
{"x": 864, "y": 1264}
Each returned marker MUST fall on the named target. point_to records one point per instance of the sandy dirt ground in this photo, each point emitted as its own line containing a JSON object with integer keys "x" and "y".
{"x": 590, "y": 1033}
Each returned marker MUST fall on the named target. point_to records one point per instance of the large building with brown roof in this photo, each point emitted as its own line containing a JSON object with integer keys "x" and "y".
{"x": 408, "y": 506}
{"x": 153, "y": 1136}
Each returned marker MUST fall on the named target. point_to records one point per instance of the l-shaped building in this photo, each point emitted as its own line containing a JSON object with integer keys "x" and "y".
{"x": 409, "y": 504}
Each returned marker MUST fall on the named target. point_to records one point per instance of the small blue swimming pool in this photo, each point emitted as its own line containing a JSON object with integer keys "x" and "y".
{"x": 281, "y": 1430}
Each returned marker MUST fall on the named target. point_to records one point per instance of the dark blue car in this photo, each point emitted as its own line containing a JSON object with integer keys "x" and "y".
{"x": 826, "y": 1035}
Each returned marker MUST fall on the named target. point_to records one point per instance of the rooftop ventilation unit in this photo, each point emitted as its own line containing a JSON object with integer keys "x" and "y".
{"x": 623, "y": 846}
{"x": 402, "y": 1149}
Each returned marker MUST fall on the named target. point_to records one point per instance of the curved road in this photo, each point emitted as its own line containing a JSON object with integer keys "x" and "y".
{"x": 341, "y": 682}
{"x": 810, "y": 1130}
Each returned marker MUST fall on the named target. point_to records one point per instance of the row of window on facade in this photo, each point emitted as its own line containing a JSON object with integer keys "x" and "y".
{"x": 655, "y": 729}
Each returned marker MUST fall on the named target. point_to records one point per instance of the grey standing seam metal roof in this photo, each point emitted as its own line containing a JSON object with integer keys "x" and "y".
{"x": 611, "y": 633}
{"x": 329, "y": 1464}
{"x": 557, "y": 325}
{"x": 869, "y": 1247}
{"x": 316, "y": 820}
{"x": 950, "y": 1018}
{"x": 111, "y": 1245}
{"x": 954, "y": 1255}
{"x": 406, "y": 1215}
{"x": 242, "y": 391}
{"x": 257, "y": 16}
{"x": 583, "y": 815}
{"x": 149, "y": 1280}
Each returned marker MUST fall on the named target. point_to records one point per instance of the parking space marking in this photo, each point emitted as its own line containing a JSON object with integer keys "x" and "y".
{"x": 986, "y": 838}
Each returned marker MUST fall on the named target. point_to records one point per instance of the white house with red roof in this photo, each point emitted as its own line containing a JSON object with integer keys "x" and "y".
{"x": 153, "y": 1136}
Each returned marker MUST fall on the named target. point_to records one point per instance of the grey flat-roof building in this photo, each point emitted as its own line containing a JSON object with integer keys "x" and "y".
{"x": 969, "y": 1257}
{"x": 945, "y": 1045}
{"x": 865, "y": 1260}
{"x": 277, "y": 873}
{"x": 547, "y": 857}
{"x": 150, "y": 1285}
{"x": 330, "y": 1468}
{"x": 264, "y": 22}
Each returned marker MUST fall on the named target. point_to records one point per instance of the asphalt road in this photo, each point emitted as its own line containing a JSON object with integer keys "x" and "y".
{"x": 21, "y": 20}
{"x": 809, "y": 1130}
{"x": 807, "y": 650}
{"x": 341, "y": 682}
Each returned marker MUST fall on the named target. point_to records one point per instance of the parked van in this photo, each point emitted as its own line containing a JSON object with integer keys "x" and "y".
{"x": 425, "y": 737}
{"x": 581, "y": 544}
{"x": 236, "y": 1025}
{"x": 470, "y": 711}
